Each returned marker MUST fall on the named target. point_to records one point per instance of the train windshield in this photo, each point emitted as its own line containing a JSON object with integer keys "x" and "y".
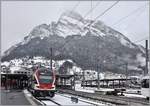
{"x": 45, "y": 79}
{"x": 45, "y": 76}
{"x": 145, "y": 83}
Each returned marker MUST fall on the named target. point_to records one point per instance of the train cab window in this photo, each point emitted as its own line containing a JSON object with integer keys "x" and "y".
{"x": 145, "y": 83}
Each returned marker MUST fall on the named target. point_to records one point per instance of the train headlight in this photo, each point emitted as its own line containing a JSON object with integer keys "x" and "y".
{"x": 53, "y": 86}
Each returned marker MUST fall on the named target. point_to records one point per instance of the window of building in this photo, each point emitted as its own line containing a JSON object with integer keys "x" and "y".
{"x": 145, "y": 83}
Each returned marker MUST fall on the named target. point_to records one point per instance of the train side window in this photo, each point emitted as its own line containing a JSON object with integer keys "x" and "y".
{"x": 145, "y": 83}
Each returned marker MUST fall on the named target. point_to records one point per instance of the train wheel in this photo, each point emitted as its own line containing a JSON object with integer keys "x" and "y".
{"x": 51, "y": 94}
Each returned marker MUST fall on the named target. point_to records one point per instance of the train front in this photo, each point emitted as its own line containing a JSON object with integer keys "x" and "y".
{"x": 44, "y": 83}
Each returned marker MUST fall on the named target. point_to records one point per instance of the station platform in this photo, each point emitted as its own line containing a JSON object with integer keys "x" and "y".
{"x": 13, "y": 97}
{"x": 110, "y": 91}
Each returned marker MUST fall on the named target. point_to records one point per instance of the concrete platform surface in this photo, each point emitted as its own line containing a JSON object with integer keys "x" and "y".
{"x": 13, "y": 97}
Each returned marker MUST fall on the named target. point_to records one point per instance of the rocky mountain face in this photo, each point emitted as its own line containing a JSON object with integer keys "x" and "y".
{"x": 89, "y": 46}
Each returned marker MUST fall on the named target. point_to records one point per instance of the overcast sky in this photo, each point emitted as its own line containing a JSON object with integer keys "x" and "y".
{"x": 20, "y": 17}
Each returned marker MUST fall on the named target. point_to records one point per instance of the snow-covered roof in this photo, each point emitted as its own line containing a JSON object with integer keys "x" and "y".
{"x": 15, "y": 68}
{"x": 5, "y": 63}
{"x": 146, "y": 77}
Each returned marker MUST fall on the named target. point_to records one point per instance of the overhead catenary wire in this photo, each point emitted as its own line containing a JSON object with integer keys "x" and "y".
{"x": 130, "y": 14}
{"x": 77, "y": 4}
{"x": 143, "y": 39}
{"x": 100, "y": 15}
{"x": 91, "y": 17}
{"x": 74, "y": 7}
{"x": 91, "y": 10}
{"x": 96, "y": 18}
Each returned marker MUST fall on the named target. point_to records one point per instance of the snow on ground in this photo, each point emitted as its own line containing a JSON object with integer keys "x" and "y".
{"x": 134, "y": 95}
{"x": 84, "y": 100}
{"x": 129, "y": 92}
{"x": 49, "y": 103}
{"x": 63, "y": 100}
{"x": 133, "y": 91}
{"x": 86, "y": 89}
{"x": 67, "y": 101}
{"x": 91, "y": 89}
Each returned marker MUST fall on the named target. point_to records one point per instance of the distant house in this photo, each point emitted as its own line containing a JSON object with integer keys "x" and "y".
{"x": 5, "y": 69}
{"x": 20, "y": 70}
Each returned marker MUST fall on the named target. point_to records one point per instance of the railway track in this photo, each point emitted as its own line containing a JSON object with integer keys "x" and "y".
{"x": 118, "y": 100}
{"x": 62, "y": 100}
{"x": 42, "y": 100}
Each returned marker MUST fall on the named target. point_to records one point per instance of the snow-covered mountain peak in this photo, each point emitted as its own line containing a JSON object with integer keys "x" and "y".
{"x": 70, "y": 23}
{"x": 40, "y": 31}
{"x": 72, "y": 14}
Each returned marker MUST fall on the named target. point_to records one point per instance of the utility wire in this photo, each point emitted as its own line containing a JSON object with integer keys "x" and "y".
{"x": 75, "y": 6}
{"x": 91, "y": 17}
{"x": 97, "y": 17}
{"x": 134, "y": 20}
{"x": 91, "y": 10}
{"x": 130, "y": 14}
{"x": 143, "y": 39}
{"x": 70, "y": 13}
{"x": 105, "y": 12}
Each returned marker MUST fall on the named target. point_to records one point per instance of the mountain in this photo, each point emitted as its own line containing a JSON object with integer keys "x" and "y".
{"x": 71, "y": 37}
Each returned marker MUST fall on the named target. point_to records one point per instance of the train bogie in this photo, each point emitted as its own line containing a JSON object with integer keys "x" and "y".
{"x": 38, "y": 93}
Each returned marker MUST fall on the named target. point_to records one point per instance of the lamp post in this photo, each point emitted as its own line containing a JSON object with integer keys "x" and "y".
{"x": 98, "y": 72}
{"x": 83, "y": 78}
{"x": 6, "y": 87}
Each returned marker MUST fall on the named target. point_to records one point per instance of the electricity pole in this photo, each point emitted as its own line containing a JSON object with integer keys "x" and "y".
{"x": 98, "y": 82}
{"x": 51, "y": 57}
{"x": 126, "y": 65}
{"x": 83, "y": 78}
{"x": 146, "y": 59}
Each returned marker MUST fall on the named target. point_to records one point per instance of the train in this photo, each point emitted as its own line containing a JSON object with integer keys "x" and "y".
{"x": 42, "y": 82}
{"x": 145, "y": 90}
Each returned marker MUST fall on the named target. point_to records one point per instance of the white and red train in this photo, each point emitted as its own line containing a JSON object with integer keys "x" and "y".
{"x": 42, "y": 82}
